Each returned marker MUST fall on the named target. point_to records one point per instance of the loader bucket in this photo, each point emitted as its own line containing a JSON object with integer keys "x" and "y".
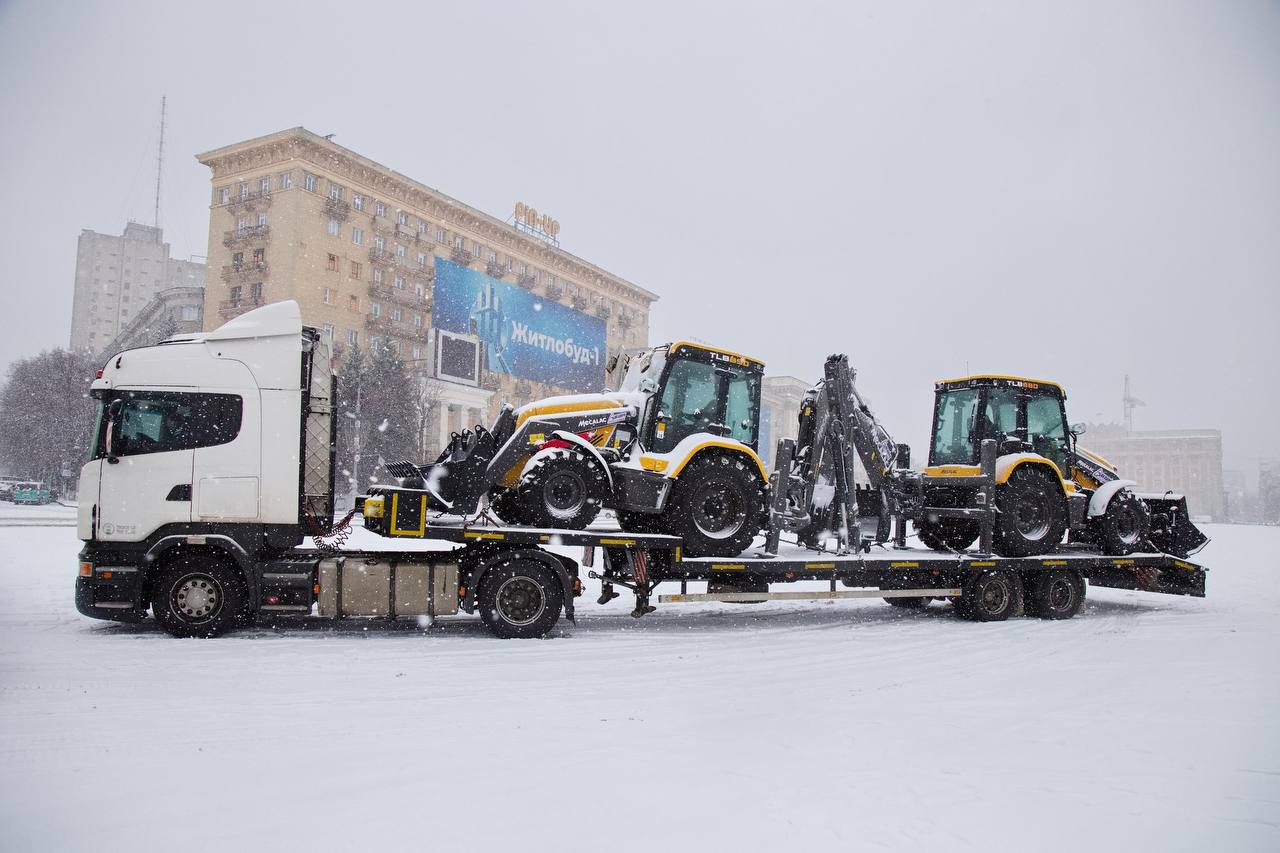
{"x": 1172, "y": 530}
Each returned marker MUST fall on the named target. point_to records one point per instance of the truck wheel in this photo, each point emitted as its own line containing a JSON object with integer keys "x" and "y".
{"x": 1032, "y": 515}
{"x": 1057, "y": 594}
{"x": 991, "y": 595}
{"x": 717, "y": 506}
{"x": 562, "y": 488}
{"x": 1125, "y": 526}
{"x": 519, "y": 599}
{"x": 199, "y": 595}
{"x": 507, "y": 506}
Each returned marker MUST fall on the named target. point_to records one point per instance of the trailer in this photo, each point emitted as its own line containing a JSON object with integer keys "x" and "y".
{"x": 212, "y": 464}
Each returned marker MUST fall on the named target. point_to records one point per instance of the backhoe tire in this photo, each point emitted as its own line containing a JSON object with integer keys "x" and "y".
{"x": 1126, "y": 525}
{"x": 562, "y": 488}
{"x": 948, "y": 534}
{"x": 717, "y": 505}
{"x": 505, "y": 503}
{"x": 199, "y": 595}
{"x": 1032, "y": 515}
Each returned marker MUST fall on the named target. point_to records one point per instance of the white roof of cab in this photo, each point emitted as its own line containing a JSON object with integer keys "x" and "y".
{"x": 269, "y": 321}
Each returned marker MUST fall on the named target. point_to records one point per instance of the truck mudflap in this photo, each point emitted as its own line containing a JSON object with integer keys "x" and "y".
{"x": 1172, "y": 530}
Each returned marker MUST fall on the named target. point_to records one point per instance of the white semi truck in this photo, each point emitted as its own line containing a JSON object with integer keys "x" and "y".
{"x": 213, "y": 462}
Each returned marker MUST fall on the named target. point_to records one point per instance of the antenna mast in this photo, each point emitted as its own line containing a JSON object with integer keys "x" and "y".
{"x": 160, "y": 161}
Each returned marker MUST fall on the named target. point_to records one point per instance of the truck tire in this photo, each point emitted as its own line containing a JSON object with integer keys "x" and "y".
{"x": 519, "y": 598}
{"x": 506, "y": 504}
{"x": 991, "y": 595}
{"x": 562, "y": 488}
{"x": 1126, "y": 525}
{"x": 1032, "y": 515}
{"x": 199, "y": 595}
{"x": 717, "y": 505}
{"x": 1056, "y": 594}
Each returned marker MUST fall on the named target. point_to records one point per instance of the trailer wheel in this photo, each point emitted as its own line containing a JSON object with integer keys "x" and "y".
{"x": 991, "y": 595}
{"x": 1032, "y": 515}
{"x": 199, "y": 595}
{"x": 1125, "y": 526}
{"x": 519, "y": 599}
{"x": 562, "y": 488}
{"x": 717, "y": 506}
{"x": 1057, "y": 594}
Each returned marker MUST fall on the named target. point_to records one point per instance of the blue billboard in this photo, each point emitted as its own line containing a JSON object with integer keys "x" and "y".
{"x": 523, "y": 334}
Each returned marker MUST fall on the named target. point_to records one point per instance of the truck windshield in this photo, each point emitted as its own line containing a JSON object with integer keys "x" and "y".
{"x": 953, "y": 429}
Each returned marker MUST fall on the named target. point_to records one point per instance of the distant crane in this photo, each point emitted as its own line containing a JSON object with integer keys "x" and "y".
{"x": 1130, "y": 403}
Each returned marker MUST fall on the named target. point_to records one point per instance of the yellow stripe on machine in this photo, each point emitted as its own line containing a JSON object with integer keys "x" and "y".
{"x": 904, "y": 565}
{"x": 1053, "y": 562}
{"x": 727, "y": 567}
{"x": 983, "y": 564}
{"x": 617, "y": 541}
{"x": 483, "y": 534}
{"x": 1122, "y": 562}
{"x": 814, "y": 566}
{"x": 420, "y": 530}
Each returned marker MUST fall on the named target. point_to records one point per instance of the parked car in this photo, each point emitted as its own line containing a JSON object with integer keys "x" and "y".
{"x": 32, "y": 493}
{"x": 6, "y": 487}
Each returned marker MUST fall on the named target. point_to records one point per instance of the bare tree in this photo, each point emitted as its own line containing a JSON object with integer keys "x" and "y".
{"x": 47, "y": 415}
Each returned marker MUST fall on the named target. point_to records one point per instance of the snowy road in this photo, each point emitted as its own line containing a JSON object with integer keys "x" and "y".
{"x": 1147, "y": 723}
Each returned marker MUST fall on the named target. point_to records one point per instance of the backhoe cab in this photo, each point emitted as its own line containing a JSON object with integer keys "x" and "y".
{"x": 1046, "y": 485}
{"x": 673, "y": 449}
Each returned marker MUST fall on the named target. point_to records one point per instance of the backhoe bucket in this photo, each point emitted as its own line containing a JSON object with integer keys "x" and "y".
{"x": 1172, "y": 530}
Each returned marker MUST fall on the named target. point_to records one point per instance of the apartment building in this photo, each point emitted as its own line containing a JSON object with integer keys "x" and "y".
{"x": 117, "y": 276}
{"x": 1187, "y": 461}
{"x": 482, "y": 309}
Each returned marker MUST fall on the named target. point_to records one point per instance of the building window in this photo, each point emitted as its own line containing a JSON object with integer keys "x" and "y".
{"x": 377, "y": 275}
{"x": 417, "y": 353}
{"x": 334, "y": 228}
{"x": 422, "y": 261}
{"x": 399, "y": 251}
{"x": 399, "y": 282}
{"x": 242, "y": 223}
{"x": 357, "y": 201}
{"x": 244, "y": 189}
{"x": 355, "y": 269}
{"x": 357, "y": 236}
{"x": 475, "y": 249}
{"x": 308, "y": 182}
{"x": 396, "y": 313}
{"x": 335, "y": 191}
{"x": 328, "y": 330}
{"x": 417, "y": 288}
{"x": 237, "y": 261}
{"x": 224, "y": 195}
{"x": 441, "y": 237}
{"x": 235, "y": 295}
{"x": 380, "y": 244}
{"x": 326, "y": 297}
{"x": 353, "y": 337}
{"x": 353, "y": 303}
{"x": 262, "y": 219}
{"x": 259, "y": 258}
{"x": 422, "y": 227}
{"x": 375, "y": 309}
{"x": 286, "y": 180}
{"x": 264, "y": 185}
{"x": 333, "y": 263}
{"x": 493, "y": 257}
{"x": 458, "y": 243}
{"x": 417, "y": 324}
{"x": 379, "y": 209}
{"x": 401, "y": 219}
{"x": 255, "y": 291}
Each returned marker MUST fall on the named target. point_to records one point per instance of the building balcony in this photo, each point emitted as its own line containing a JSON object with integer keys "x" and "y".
{"x": 337, "y": 209}
{"x": 580, "y": 302}
{"x": 624, "y": 321}
{"x": 244, "y": 272}
{"x": 247, "y": 235}
{"x": 382, "y": 258}
{"x": 461, "y": 257}
{"x": 229, "y": 308}
{"x": 554, "y": 291}
{"x": 603, "y": 312}
{"x": 526, "y": 281}
{"x": 402, "y": 295}
{"x": 405, "y": 234}
{"x": 249, "y": 202}
{"x": 384, "y": 325}
{"x": 495, "y": 269}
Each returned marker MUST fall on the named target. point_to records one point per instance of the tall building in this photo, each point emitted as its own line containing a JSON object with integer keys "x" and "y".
{"x": 485, "y": 310}
{"x": 780, "y": 398}
{"x": 116, "y": 276}
{"x": 178, "y": 310}
{"x": 1187, "y": 461}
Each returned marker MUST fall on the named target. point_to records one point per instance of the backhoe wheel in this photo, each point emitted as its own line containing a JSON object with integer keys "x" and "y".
{"x": 519, "y": 598}
{"x": 1056, "y": 594}
{"x": 199, "y": 595}
{"x": 991, "y": 595}
{"x": 507, "y": 506}
{"x": 717, "y": 505}
{"x": 1125, "y": 526}
{"x": 948, "y": 534}
{"x": 562, "y": 488}
{"x": 1032, "y": 513}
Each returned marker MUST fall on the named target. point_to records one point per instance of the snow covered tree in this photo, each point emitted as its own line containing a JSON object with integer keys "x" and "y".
{"x": 379, "y": 416}
{"x": 47, "y": 415}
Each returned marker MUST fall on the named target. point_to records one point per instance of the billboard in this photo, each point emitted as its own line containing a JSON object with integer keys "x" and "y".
{"x": 523, "y": 334}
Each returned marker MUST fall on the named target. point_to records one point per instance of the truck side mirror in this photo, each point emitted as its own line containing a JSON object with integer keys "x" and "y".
{"x": 113, "y": 416}
{"x": 1079, "y": 429}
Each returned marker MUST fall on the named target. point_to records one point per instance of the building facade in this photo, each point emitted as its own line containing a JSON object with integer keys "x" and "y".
{"x": 117, "y": 276}
{"x": 1187, "y": 461}
{"x": 176, "y": 311}
{"x": 780, "y": 398}
{"x": 481, "y": 310}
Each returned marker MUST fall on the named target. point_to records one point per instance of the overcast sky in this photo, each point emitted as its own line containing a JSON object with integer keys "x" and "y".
{"x": 1072, "y": 191}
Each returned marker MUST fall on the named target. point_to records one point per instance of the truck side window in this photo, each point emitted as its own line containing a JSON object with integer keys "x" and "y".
{"x": 163, "y": 421}
{"x": 1047, "y": 430}
{"x": 742, "y": 406}
{"x": 953, "y": 440}
{"x": 1001, "y": 413}
{"x": 688, "y": 403}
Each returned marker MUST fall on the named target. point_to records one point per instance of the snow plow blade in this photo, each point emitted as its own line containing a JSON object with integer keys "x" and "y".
{"x": 1172, "y": 530}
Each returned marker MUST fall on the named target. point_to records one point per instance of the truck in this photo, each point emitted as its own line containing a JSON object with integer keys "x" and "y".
{"x": 212, "y": 464}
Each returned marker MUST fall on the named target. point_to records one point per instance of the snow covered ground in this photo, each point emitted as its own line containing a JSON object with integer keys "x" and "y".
{"x": 1147, "y": 723}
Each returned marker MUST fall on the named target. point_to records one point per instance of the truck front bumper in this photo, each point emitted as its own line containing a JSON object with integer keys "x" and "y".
{"x": 112, "y": 592}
